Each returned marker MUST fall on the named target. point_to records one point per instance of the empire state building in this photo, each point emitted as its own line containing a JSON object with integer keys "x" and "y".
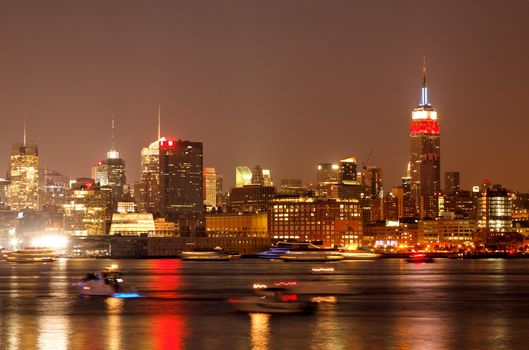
{"x": 425, "y": 155}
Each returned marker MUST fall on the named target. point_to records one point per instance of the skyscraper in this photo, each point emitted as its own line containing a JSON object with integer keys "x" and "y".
{"x": 348, "y": 174}
{"x": 452, "y": 182}
{"x": 495, "y": 209}
{"x": 148, "y": 196}
{"x": 373, "y": 182}
{"x": 257, "y": 176}
{"x": 181, "y": 181}
{"x": 210, "y": 188}
{"x": 148, "y": 190}
{"x": 243, "y": 176}
{"x": 24, "y": 175}
{"x": 110, "y": 172}
{"x": 425, "y": 156}
{"x": 261, "y": 176}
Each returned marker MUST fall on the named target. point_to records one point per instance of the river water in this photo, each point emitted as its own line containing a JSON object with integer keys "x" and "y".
{"x": 384, "y": 304}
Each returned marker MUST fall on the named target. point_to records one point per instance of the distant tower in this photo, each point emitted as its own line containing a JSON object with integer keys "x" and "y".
{"x": 24, "y": 175}
{"x": 425, "y": 155}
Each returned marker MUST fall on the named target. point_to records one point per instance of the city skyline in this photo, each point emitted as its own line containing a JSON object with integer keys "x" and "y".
{"x": 286, "y": 92}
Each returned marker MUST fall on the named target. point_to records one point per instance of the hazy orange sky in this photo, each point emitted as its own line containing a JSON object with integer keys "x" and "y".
{"x": 285, "y": 84}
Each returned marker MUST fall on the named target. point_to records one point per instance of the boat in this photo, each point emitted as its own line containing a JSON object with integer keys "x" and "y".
{"x": 273, "y": 253}
{"x": 359, "y": 254}
{"x": 273, "y": 300}
{"x": 282, "y": 248}
{"x": 216, "y": 254}
{"x": 419, "y": 258}
{"x": 322, "y": 270}
{"x": 31, "y": 255}
{"x": 107, "y": 283}
{"x": 321, "y": 255}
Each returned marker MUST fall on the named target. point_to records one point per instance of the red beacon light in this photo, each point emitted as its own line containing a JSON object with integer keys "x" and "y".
{"x": 167, "y": 144}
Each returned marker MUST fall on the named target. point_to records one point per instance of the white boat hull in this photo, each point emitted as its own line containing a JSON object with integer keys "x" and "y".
{"x": 95, "y": 288}
{"x": 360, "y": 256}
{"x": 207, "y": 256}
{"x": 258, "y": 305}
{"x": 31, "y": 256}
{"x": 312, "y": 257}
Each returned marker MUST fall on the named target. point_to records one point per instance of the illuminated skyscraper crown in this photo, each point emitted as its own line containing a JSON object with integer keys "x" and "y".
{"x": 424, "y": 116}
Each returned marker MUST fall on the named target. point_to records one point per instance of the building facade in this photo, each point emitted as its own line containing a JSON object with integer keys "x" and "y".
{"x": 86, "y": 212}
{"x": 448, "y": 233}
{"x": 237, "y": 225}
{"x": 327, "y": 173}
{"x": 494, "y": 209}
{"x": 348, "y": 174}
{"x": 250, "y": 198}
{"x": 328, "y": 222}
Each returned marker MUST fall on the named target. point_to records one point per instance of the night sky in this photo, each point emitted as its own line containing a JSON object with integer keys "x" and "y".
{"x": 285, "y": 84}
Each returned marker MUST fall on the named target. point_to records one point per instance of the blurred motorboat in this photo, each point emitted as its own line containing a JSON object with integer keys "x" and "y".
{"x": 419, "y": 258}
{"x": 216, "y": 254}
{"x": 273, "y": 300}
{"x": 320, "y": 255}
{"x": 31, "y": 255}
{"x": 282, "y": 248}
{"x": 359, "y": 254}
{"x": 105, "y": 283}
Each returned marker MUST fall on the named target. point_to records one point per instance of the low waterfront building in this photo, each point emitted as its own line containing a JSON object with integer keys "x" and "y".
{"x": 394, "y": 234}
{"x": 447, "y": 232}
{"x": 144, "y": 247}
{"x": 164, "y": 228}
{"x": 132, "y": 224}
{"x": 330, "y": 222}
{"x": 237, "y": 225}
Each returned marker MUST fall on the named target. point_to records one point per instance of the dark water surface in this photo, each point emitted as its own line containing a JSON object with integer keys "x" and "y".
{"x": 386, "y": 304}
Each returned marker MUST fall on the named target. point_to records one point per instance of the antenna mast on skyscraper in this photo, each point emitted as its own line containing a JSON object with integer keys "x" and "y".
{"x": 113, "y": 132}
{"x": 424, "y": 71}
{"x": 159, "y": 123}
{"x": 24, "y": 129}
{"x": 424, "y": 88}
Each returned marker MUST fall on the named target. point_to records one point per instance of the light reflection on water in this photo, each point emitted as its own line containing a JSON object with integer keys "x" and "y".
{"x": 53, "y": 332}
{"x": 13, "y": 331}
{"x": 383, "y": 304}
{"x": 260, "y": 330}
{"x": 115, "y": 307}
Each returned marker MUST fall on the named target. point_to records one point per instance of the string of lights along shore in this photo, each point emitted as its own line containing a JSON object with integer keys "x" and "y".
{"x": 178, "y": 202}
